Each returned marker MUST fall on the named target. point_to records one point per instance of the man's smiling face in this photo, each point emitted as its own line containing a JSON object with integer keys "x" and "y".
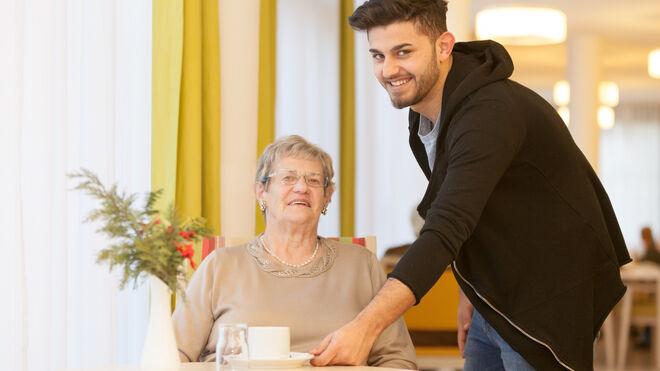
{"x": 405, "y": 63}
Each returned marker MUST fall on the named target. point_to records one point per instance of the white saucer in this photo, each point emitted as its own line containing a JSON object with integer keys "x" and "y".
{"x": 295, "y": 360}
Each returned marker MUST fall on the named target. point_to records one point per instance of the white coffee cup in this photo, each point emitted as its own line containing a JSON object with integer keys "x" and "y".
{"x": 268, "y": 342}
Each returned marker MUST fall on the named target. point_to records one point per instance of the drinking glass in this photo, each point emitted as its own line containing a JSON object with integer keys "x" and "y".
{"x": 232, "y": 340}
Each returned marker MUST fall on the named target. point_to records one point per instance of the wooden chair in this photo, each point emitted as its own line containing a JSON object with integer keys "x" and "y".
{"x": 217, "y": 242}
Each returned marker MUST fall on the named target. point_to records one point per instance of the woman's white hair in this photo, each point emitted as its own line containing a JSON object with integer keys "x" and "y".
{"x": 293, "y": 146}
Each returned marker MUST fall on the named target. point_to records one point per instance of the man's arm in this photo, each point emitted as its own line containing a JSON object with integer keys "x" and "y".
{"x": 350, "y": 345}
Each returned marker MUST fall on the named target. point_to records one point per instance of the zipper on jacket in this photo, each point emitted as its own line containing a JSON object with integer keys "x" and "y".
{"x": 508, "y": 320}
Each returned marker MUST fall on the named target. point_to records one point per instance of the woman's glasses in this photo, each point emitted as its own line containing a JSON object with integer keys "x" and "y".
{"x": 291, "y": 177}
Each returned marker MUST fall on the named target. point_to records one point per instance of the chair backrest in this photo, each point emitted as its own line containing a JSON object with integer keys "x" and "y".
{"x": 367, "y": 241}
{"x": 216, "y": 242}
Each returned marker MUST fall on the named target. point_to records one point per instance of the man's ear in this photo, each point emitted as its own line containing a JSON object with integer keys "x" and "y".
{"x": 444, "y": 45}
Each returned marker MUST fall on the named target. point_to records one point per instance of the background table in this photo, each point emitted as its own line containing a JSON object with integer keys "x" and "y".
{"x": 639, "y": 277}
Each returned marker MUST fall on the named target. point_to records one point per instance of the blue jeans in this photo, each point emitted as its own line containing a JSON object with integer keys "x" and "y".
{"x": 486, "y": 350}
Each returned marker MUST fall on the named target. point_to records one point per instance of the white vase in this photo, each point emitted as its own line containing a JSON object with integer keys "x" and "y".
{"x": 160, "y": 350}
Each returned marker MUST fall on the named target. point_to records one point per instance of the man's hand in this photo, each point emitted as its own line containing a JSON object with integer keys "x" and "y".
{"x": 350, "y": 345}
{"x": 464, "y": 316}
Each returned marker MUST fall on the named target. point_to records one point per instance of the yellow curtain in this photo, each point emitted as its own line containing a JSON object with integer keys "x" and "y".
{"x": 347, "y": 122}
{"x": 167, "y": 41}
{"x": 267, "y": 72}
{"x": 186, "y": 108}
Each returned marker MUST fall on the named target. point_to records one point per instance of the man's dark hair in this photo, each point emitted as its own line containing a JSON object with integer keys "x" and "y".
{"x": 428, "y": 16}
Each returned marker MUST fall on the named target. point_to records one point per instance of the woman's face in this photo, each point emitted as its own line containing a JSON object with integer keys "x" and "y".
{"x": 297, "y": 203}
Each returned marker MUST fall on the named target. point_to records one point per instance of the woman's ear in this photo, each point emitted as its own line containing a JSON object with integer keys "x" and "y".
{"x": 328, "y": 194}
{"x": 259, "y": 190}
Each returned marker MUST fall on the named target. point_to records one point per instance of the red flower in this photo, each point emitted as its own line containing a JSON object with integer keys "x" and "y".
{"x": 186, "y": 251}
{"x": 187, "y": 235}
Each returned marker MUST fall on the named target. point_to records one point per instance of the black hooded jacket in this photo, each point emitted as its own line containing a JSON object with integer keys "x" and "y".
{"x": 515, "y": 207}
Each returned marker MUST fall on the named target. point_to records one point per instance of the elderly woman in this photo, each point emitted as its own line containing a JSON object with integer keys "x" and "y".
{"x": 288, "y": 275}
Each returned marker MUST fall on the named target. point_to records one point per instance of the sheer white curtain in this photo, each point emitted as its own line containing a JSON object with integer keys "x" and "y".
{"x": 75, "y": 91}
{"x": 629, "y": 166}
{"x": 389, "y": 184}
{"x": 307, "y": 88}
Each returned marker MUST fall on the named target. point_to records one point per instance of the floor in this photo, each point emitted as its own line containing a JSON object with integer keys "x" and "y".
{"x": 638, "y": 359}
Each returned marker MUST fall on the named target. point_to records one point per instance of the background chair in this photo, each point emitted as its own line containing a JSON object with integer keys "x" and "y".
{"x": 432, "y": 323}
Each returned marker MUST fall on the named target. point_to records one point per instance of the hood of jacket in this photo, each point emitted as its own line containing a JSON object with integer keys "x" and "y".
{"x": 475, "y": 64}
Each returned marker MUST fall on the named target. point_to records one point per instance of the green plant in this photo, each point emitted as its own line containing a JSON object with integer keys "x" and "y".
{"x": 144, "y": 240}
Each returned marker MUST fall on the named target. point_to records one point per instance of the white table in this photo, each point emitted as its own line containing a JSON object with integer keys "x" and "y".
{"x": 210, "y": 366}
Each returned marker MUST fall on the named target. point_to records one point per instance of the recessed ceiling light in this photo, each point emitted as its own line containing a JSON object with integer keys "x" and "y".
{"x": 521, "y": 25}
{"x": 605, "y": 117}
{"x": 561, "y": 93}
{"x": 654, "y": 63}
{"x": 608, "y": 93}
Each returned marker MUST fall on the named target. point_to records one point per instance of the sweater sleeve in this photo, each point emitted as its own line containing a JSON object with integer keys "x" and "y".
{"x": 393, "y": 347}
{"x": 482, "y": 141}
{"x": 193, "y": 316}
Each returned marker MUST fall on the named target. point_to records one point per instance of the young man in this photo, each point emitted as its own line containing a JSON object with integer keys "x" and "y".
{"x": 512, "y": 204}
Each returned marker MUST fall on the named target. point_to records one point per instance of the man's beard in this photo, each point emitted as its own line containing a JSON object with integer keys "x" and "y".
{"x": 425, "y": 83}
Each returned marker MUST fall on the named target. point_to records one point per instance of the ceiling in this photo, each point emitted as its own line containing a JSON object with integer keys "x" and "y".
{"x": 626, "y": 31}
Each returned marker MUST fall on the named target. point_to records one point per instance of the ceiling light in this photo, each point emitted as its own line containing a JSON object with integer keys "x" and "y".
{"x": 608, "y": 93}
{"x": 654, "y": 63}
{"x": 561, "y": 93}
{"x": 565, "y": 114}
{"x": 521, "y": 25}
{"x": 605, "y": 117}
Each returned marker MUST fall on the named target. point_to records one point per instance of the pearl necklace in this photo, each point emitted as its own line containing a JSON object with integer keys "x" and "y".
{"x": 316, "y": 249}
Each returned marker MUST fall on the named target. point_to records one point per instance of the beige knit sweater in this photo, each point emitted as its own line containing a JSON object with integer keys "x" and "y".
{"x": 239, "y": 285}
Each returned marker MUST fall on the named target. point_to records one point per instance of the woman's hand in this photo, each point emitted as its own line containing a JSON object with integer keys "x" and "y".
{"x": 464, "y": 319}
